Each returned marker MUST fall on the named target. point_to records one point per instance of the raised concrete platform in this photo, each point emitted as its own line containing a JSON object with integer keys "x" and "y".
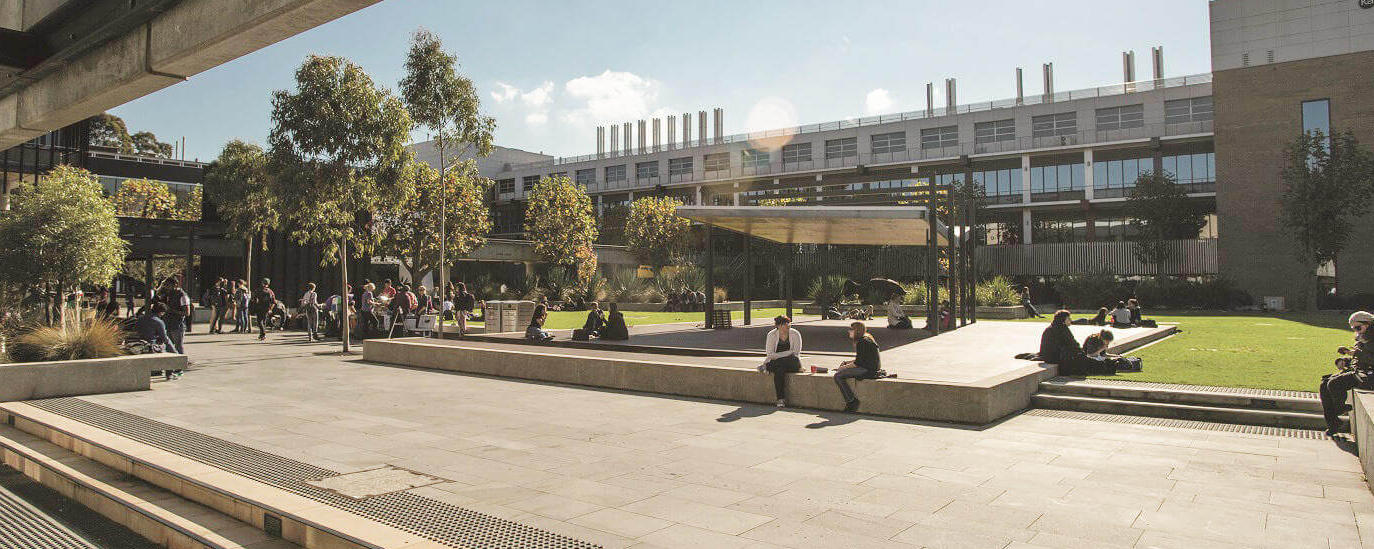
{"x": 30, "y": 380}
{"x": 1289, "y": 409}
{"x": 965, "y": 376}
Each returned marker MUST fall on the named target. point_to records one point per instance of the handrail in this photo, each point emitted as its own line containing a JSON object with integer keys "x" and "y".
{"x": 1035, "y": 99}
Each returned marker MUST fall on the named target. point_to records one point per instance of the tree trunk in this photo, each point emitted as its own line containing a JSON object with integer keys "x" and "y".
{"x": 343, "y": 293}
{"x": 248, "y": 263}
{"x": 439, "y": 284}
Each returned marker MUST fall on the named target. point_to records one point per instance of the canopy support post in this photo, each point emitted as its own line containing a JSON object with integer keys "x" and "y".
{"x": 710, "y": 277}
{"x": 748, "y": 278}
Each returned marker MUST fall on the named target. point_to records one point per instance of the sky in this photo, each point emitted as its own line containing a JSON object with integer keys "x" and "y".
{"x": 551, "y": 72}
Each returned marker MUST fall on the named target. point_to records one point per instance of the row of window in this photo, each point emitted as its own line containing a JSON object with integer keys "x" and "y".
{"x": 1050, "y": 125}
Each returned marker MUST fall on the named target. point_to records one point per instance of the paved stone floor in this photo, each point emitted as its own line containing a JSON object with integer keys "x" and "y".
{"x": 633, "y": 470}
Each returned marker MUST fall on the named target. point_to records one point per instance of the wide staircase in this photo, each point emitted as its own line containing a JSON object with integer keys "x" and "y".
{"x": 1239, "y": 406}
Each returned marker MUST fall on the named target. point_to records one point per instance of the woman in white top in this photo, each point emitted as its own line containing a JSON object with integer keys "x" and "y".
{"x": 784, "y": 355}
{"x": 896, "y": 318}
{"x": 1121, "y": 316}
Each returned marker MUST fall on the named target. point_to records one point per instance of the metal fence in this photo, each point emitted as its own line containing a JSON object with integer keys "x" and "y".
{"x": 1186, "y": 257}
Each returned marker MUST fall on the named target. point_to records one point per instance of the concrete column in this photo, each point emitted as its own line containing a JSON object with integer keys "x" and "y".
{"x": 736, "y": 199}
{"x": 632, "y": 196}
{"x": 1026, "y": 226}
{"x": 598, "y": 205}
{"x": 1088, "y": 176}
{"x": 1025, "y": 179}
{"x": 699, "y": 202}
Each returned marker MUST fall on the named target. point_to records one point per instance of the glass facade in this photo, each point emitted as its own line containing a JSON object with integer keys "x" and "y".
{"x": 1120, "y": 118}
{"x": 1050, "y": 125}
{"x": 528, "y": 182}
{"x": 716, "y": 162}
{"x": 994, "y": 131}
{"x": 888, "y": 143}
{"x": 1196, "y": 109}
{"x": 505, "y": 186}
{"x": 1316, "y": 116}
{"x": 587, "y": 177}
{"x": 841, "y": 148}
{"x": 755, "y": 158}
{"x": 796, "y": 152}
{"x": 1114, "y": 178}
{"x": 1002, "y": 186}
{"x": 1057, "y": 181}
{"x": 615, "y": 174}
{"x": 938, "y": 138}
{"x": 680, "y": 166}
{"x": 646, "y": 170}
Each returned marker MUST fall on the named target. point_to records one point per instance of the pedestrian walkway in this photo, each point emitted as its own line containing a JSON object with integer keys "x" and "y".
{"x": 619, "y": 469}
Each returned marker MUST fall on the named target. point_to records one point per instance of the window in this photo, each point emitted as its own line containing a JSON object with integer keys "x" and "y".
{"x": 1120, "y": 118}
{"x": 935, "y": 138}
{"x": 796, "y": 152}
{"x": 528, "y": 182}
{"x": 1196, "y": 109}
{"x": 886, "y": 143}
{"x": 1192, "y": 168}
{"x": 680, "y": 166}
{"x": 1001, "y": 186}
{"x": 841, "y": 148}
{"x": 716, "y": 162}
{"x": 556, "y": 175}
{"x": 1050, "y": 125}
{"x": 1057, "y": 178}
{"x": 646, "y": 170}
{"x": 754, "y": 158}
{"x": 587, "y": 177}
{"x": 997, "y": 130}
{"x": 505, "y": 186}
{"x": 1114, "y": 178}
{"x": 615, "y": 174}
{"x": 1316, "y": 117}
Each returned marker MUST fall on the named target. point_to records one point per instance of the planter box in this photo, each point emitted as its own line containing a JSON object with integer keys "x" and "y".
{"x": 34, "y": 380}
{"x": 728, "y": 305}
{"x": 1011, "y": 312}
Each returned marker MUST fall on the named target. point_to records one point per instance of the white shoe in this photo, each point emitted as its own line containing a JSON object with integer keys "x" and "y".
{"x": 782, "y": 403}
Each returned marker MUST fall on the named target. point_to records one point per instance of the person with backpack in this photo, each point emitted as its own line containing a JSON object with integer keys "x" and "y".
{"x": 178, "y": 305}
{"x": 261, "y": 305}
{"x": 310, "y": 306}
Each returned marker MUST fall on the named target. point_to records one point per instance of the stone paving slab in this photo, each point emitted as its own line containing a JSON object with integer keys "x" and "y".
{"x": 631, "y": 470}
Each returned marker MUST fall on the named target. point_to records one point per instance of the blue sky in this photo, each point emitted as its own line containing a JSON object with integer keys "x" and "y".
{"x": 550, "y": 72}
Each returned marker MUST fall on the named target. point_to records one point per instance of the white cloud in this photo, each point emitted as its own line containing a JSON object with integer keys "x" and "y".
{"x": 537, "y": 118}
{"x": 506, "y": 92}
{"x": 540, "y": 96}
{"x": 612, "y": 97}
{"x": 878, "y": 101}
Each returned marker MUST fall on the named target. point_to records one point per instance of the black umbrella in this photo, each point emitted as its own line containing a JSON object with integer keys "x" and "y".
{"x": 886, "y": 285}
{"x": 850, "y": 288}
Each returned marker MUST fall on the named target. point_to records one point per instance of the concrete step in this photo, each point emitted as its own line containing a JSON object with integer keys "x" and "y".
{"x": 1218, "y": 414}
{"x": 160, "y": 516}
{"x": 1212, "y": 397}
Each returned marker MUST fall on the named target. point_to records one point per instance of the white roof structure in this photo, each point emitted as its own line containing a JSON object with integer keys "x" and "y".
{"x": 854, "y": 225}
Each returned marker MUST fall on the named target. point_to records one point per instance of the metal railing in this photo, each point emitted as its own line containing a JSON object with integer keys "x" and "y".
{"x": 147, "y": 159}
{"x": 1086, "y": 93}
{"x": 1186, "y": 257}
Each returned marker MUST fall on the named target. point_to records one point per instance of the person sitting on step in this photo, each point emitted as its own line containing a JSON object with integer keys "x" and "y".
{"x": 783, "y": 345}
{"x": 1356, "y": 365}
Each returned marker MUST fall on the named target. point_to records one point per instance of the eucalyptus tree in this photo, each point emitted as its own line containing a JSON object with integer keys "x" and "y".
{"x": 237, "y": 184}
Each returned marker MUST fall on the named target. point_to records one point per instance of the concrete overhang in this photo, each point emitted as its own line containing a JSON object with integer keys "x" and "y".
{"x": 852, "y": 225}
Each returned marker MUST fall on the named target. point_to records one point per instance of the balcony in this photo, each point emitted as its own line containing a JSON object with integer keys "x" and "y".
{"x": 1187, "y": 258}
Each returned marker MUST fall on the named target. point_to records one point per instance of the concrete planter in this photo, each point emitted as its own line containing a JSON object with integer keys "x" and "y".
{"x": 34, "y": 380}
{"x": 727, "y": 306}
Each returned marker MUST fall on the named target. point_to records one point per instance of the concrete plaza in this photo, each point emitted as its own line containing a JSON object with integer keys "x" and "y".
{"x": 632, "y": 470}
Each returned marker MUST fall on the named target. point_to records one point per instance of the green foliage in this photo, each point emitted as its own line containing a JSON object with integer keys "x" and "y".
{"x": 1160, "y": 211}
{"x": 442, "y": 100}
{"x": 654, "y": 232}
{"x": 146, "y": 144}
{"x": 145, "y": 198}
{"x": 559, "y": 220}
{"x": 410, "y": 232}
{"x": 60, "y": 230}
{"x": 68, "y": 340}
{"x": 827, "y": 290}
{"x": 1179, "y": 293}
{"x": 238, "y": 184}
{"x": 337, "y": 150}
{"x": 997, "y": 292}
{"x": 1089, "y": 290}
{"x": 108, "y": 130}
{"x": 1328, "y": 184}
{"x": 917, "y": 294}
{"x": 188, "y": 208}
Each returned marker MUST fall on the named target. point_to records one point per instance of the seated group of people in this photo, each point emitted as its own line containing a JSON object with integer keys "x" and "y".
{"x": 1126, "y": 314}
{"x": 599, "y": 325}
{"x": 784, "y": 346}
{"x": 685, "y": 301}
{"x": 1058, "y": 346}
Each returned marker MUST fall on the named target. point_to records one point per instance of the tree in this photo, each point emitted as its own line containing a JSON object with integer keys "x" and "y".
{"x": 146, "y": 144}
{"x": 337, "y": 152}
{"x": 408, "y": 233}
{"x": 1328, "y": 183}
{"x": 1160, "y": 212}
{"x": 559, "y": 220}
{"x": 446, "y": 103}
{"x": 144, "y": 198}
{"x": 238, "y": 185}
{"x": 188, "y": 208}
{"x": 654, "y": 232}
{"x": 108, "y": 130}
{"x": 60, "y": 231}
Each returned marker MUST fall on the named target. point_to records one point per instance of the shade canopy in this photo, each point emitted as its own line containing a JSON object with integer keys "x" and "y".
{"x": 854, "y": 225}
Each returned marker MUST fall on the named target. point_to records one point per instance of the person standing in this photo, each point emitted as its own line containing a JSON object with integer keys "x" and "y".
{"x": 261, "y": 304}
{"x": 129, "y": 301}
{"x": 464, "y": 303}
{"x": 784, "y": 345}
{"x": 865, "y": 365}
{"x": 242, "y": 296}
{"x": 367, "y": 318}
{"x": 178, "y": 305}
{"x": 310, "y": 306}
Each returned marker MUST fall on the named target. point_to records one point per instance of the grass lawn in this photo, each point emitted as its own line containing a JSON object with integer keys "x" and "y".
{"x": 1288, "y": 351}
{"x": 567, "y": 320}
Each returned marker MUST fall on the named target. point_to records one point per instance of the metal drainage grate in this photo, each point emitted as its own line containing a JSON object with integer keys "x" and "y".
{"x": 431, "y": 519}
{"x": 1178, "y": 423}
{"x": 1178, "y": 387}
{"x": 23, "y": 525}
